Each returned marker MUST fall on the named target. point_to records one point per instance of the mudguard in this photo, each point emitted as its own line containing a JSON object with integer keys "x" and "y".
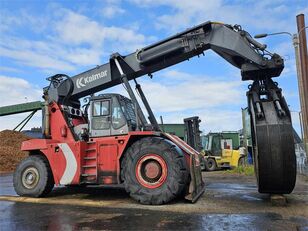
{"x": 196, "y": 185}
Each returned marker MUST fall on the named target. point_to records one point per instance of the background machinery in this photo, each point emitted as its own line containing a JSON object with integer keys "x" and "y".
{"x": 222, "y": 150}
{"x": 110, "y": 141}
{"x": 218, "y": 150}
{"x": 193, "y": 133}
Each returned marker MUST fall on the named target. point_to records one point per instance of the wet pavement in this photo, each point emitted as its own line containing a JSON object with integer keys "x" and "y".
{"x": 25, "y": 216}
{"x": 6, "y": 185}
{"x": 229, "y": 203}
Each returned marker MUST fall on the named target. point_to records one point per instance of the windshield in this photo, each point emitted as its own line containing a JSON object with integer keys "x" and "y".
{"x": 128, "y": 109}
{"x": 207, "y": 143}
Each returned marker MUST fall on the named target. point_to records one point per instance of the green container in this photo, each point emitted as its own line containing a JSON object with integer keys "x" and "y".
{"x": 175, "y": 129}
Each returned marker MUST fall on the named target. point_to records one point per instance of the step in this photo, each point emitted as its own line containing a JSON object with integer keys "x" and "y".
{"x": 89, "y": 166}
{"x": 90, "y": 150}
{"x": 89, "y": 182}
{"x": 88, "y": 175}
{"x": 89, "y": 158}
{"x": 91, "y": 142}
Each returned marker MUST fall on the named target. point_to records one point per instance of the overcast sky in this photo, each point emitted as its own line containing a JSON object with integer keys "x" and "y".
{"x": 41, "y": 38}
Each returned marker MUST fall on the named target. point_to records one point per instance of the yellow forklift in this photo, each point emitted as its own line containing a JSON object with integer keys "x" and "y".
{"x": 222, "y": 150}
{"x": 219, "y": 150}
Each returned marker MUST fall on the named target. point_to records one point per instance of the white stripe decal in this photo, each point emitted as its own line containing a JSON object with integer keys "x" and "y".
{"x": 71, "y": 164}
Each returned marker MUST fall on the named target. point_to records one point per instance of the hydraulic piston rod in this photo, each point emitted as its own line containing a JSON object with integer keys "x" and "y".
{"x": 131, "y": 94}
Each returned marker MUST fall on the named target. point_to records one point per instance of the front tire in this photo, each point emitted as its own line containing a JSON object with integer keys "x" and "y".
{"x": 33, "y": 177}
{"x": 210, "y": 164}
{"x": 154, "y": 171}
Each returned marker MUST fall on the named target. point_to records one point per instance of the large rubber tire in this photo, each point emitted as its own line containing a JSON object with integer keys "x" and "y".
{"x": 174, "y": 179}
{"x": 274, "y": 153}
{"x": 33, "y": 177}
{"x": 210, "y": 164}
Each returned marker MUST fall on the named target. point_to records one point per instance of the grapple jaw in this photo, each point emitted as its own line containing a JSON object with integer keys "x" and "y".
{"x": 196, "y": 185}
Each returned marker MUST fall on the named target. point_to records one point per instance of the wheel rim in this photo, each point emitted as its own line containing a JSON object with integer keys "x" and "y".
{"x": 210, "y": 164}
{"x": 151, "y": 171}
{"x": 30, "y": 178}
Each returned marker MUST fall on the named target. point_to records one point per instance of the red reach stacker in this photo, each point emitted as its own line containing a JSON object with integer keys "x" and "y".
{"x": 109, "y": 140}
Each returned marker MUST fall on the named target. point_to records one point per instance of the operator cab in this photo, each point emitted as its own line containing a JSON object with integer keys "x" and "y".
{"x": 213, "y": 144}
{"x": 108, "y": 115}
{"x": 111, "y": 114}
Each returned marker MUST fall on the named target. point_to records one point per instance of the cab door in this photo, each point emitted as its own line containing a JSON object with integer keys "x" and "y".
{"x": 100, "y": 122}
{"x": 118, "y": 121}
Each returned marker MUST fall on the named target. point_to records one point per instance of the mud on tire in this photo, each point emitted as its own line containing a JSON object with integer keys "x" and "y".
{"x": 33, "y": 177}
{"x": 160, "y": 185}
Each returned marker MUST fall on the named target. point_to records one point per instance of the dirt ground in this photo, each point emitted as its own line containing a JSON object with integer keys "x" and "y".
{"x": 10, "y": 153}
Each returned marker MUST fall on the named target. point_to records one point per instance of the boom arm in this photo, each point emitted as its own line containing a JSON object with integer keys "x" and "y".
{"x": 230, "y": 42}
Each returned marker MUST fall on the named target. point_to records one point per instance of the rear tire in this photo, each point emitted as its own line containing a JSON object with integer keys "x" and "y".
{"x": 210, "y": 164}
{"x": 33, "y": 177}
{"x": 154, "y": 171}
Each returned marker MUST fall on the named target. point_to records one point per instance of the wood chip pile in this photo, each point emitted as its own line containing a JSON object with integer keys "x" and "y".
{"x": 10, "y": 153}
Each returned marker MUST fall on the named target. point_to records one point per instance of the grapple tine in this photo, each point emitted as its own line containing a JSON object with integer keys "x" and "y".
{"x": 196, "y": 185}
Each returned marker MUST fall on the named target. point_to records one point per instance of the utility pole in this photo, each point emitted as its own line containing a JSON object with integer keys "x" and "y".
{"x": 303, "y": 77}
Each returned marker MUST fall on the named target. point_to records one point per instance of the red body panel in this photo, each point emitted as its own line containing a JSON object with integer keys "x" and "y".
{"x": 55, "y": 155}
{"x": 58, "y": 123}
{"x": 36, "y": 144}
{"x": 107, "y": 153}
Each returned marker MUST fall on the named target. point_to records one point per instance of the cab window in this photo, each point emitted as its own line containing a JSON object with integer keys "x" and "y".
{"x": 101, "y": 108}
{"x": 118, "y": 119}
{"x": 101, "y": 115}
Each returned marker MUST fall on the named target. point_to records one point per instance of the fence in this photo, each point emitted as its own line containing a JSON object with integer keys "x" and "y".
{"x": 301, "y": 159}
